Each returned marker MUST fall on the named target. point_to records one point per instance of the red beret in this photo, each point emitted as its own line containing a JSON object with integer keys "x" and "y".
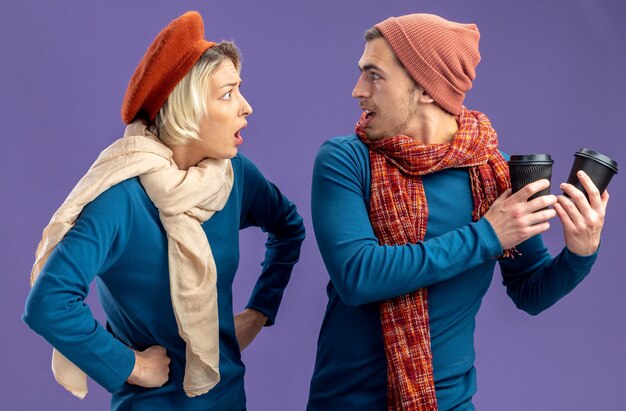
{"x": 168, "y": 59}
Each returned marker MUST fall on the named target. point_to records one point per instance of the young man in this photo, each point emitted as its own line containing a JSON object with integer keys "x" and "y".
{"x": 411, "y": 215}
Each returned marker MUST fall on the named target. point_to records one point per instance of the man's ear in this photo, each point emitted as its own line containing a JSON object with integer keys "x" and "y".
{"x": 424, "y": 97}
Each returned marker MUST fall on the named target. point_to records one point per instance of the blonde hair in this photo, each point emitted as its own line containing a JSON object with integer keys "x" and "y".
{"x": 178, "y": 120}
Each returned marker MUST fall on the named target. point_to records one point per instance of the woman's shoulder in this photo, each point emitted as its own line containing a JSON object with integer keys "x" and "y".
{"x": 123, "y": 190}
{"x": 118, "y": 199}
{"x": 245, "y": 168}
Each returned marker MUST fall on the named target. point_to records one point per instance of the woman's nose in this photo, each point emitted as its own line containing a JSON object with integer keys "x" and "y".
{"x": 246, "y": 108}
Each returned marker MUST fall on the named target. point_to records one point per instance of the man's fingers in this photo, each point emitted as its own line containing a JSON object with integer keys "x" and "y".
{"x": 572, "y": 210}
{"x": 590, "y": 188}
{"x": 605, "y": 198}
{"x": 541, "y": 202}
{"x": 535, "y": 229}
{"x": 564, "y": 217}
{"x": 541, "y": 216}
{"x": 505, "y": 194}
{"x": 577, "y": 198}
{"x": 532, "y": 188}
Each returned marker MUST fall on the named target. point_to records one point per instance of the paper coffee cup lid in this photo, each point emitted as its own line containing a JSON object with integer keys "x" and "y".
{"x": 539, "y": 159}
{"x": 600, "y": 158}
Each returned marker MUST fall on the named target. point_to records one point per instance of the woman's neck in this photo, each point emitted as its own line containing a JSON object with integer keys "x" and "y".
{"x": 185, "y": 156}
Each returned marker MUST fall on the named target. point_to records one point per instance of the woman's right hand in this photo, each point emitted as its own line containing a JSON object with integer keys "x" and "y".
{"x": 152, "y": 367}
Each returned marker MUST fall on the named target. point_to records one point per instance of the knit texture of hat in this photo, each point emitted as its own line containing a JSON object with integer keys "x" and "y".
{"x": 169, "y": 58}
{"x": 440, "y": 55}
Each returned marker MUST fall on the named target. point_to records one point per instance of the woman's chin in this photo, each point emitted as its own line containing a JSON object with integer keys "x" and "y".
{"x": 230, "y": 154}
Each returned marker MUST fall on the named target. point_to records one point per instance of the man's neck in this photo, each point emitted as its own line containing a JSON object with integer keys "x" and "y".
{"x": 437, "y": 127}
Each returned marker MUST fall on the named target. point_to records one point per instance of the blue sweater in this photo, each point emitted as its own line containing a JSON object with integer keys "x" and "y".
{"x": 455, "y": 262}
{"x": 119, "y": 240}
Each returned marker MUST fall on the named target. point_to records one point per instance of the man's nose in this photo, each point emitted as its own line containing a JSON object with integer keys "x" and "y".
{"x": 360, "y": 89}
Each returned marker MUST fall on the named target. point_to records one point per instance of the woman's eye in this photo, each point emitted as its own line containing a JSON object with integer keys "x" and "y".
{"x": 227, "y": 96}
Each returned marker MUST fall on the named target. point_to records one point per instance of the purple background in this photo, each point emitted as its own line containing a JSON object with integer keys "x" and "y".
{"x": 551, "y": 80}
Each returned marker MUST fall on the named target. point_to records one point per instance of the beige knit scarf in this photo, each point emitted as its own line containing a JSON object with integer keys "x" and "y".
{"x": 185, "y": 200}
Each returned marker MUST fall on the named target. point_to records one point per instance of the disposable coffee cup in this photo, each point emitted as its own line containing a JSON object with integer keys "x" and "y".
{"x": 598, "y": 167}
{"x": 527, "y": 168}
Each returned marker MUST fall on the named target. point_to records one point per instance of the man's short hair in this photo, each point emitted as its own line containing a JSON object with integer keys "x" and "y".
{"x": 372, "y": 34}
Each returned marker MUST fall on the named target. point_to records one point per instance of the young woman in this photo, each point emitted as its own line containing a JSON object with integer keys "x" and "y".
{"x": 155, "y": 221}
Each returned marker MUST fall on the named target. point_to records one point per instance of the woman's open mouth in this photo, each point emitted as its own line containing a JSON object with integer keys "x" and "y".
{"x": 238, "y": 137}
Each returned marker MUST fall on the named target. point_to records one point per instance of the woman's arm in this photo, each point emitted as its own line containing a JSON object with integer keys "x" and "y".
{"x": 267, "y": 208}
{"x": 56, "y": 307}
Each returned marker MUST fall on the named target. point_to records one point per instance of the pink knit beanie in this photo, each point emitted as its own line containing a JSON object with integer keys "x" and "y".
{"x": 440, "y": 55}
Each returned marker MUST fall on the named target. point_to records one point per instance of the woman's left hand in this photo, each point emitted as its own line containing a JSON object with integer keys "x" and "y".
{"x": 248, "y": 324}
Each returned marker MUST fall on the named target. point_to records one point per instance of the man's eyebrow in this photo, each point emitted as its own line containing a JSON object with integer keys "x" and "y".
{"x": 370, "y": 67}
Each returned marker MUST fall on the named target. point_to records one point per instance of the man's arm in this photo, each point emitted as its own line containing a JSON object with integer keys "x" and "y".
{"x": 535, "y": 281}
{"x": 361, "y": 270}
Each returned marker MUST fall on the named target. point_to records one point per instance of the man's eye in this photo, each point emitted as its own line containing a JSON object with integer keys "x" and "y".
{"x": 375, "y": 76}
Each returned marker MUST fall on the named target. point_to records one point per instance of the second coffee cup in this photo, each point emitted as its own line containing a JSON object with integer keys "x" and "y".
{"x": 527, "y": 168}
{"x": 599, "y": 168}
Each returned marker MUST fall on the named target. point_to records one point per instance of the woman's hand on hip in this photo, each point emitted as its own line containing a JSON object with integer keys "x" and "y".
{"x": 152, "y": 367}
{"x": 248, "y": 324}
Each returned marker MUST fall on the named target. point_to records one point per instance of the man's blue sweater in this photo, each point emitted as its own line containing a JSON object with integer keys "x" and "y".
{"x": 455, "y": 262}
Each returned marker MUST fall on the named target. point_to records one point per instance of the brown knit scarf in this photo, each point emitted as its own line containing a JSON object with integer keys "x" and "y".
{"x": 399, "y": 215}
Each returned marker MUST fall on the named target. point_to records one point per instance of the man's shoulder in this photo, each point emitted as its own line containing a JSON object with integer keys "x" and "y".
{"x": 343, "y": 155}
{"x": 350, "y": 140}
{"x": 350, "y": 144}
